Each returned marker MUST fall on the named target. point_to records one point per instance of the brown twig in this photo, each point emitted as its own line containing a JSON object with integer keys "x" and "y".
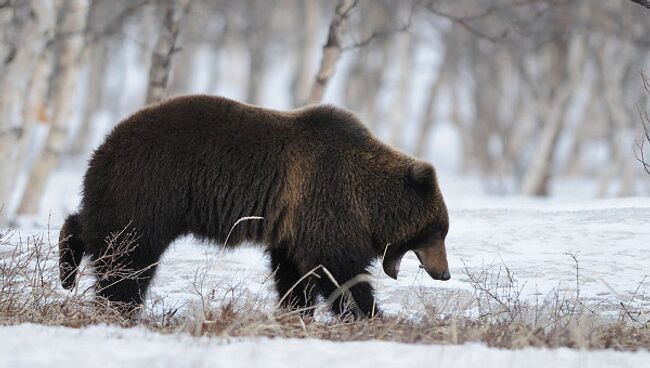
{"x": 645, "y": 124}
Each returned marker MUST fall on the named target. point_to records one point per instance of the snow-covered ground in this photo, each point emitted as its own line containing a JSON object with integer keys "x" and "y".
{"x": 534, "y": 239}
{"x": 33, "y": 346}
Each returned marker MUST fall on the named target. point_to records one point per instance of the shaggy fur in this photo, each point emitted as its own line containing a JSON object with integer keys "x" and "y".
{"x": 330, "y": 194}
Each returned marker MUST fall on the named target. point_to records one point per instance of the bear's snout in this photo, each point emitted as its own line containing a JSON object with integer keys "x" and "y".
{"x": 433, "y": 259}
{"x": 443, "y": 276}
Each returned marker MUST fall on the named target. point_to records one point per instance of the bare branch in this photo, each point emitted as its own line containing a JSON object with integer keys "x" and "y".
{"x": 464, "y": 22}
{"x": 645, "y": 123}
{"x": 491, "y": 10}
{"x": 381, "y": 34}
{"x": 332, "y": 49}
{"x": 166, "y": 47}
{"x": 116, "y": 24}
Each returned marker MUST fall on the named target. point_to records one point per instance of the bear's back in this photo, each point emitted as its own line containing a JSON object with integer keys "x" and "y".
{"x": 203, "y": 114}
{"x": 333, "y": 122}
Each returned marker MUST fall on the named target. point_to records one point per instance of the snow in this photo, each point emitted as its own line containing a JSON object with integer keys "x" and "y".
{"x": 100, "y": 346}
{"x": 533, "y": 238}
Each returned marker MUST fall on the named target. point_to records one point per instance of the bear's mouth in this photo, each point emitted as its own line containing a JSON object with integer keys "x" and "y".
{"x": 433, "y": 260}
{"x": 393, "y": 255}
{"x": 431, "y": 254}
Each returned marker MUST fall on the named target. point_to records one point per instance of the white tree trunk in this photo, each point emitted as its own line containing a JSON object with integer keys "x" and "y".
{"x": 427, "y": 119}
{"x": 590, "y": 118}
{"x": 164, "y": 49}
{"x": 98, "y": 57}
{"x": 554, "y": 111}
{"x": 364, "y": 81}
{"x": 308, "y": 37}
{"x": 615, "y": 59}
{"x": 183, "y": 70}
{"x": 331, "y": 50}
{"x": 70, "y": 39}
{"x": 461, "y": 123}
{"x": 400, "y": 113}
{"x": 19, "y": 72}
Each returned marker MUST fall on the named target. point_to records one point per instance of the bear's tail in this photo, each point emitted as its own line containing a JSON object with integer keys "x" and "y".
{"x": 71, "y": 251}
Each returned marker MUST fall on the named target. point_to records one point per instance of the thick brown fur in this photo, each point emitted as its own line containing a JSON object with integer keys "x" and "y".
{"x": 330, "y": 193}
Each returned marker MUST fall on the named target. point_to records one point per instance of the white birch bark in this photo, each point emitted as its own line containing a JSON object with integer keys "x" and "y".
{"x": 615, "y": 59}
{"x": 62, "y": 86}
{"x": 427, "y": 119}
{"x": 554, "y": 110}
{"x": 332, "y": 50}
{"x": 166, "y": 46}
{"x": 307, "y": 38}
{"x": 19, "y": 71}
{"x": 364, "y": 82}
{"x": 400, "y": 113}
{"x": 584, "y": 131}
{"x": 183, "y": 70}
{"x": 98, "y": 56}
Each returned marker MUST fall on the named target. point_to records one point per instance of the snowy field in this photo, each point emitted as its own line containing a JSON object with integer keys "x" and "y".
{"x": 33, "y": 346}
{"x": 538, "y": 241}
{"x": 610, "y": 240}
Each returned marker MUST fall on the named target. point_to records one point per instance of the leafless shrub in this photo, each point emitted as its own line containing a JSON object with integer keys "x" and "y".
{"x": 637, "y": 308}
{"x": 583, "y": 332}
{"x": 494, "y": 313}
{"x": 30, "y": 286}
{"x": 499, "y": 299}
{"x": 496, "y": 296}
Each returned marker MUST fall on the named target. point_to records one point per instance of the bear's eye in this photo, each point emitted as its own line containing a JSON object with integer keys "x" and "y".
{"x": 432, "y": 237}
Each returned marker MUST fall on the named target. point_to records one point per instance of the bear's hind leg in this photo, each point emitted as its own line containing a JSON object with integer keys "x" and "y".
{"x": 291, "y": 293}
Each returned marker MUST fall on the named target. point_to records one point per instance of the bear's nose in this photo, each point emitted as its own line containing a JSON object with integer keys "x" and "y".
{"x": 445, "y": 276}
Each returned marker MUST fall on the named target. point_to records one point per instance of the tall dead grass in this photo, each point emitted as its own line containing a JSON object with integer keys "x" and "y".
{"x": 495, "y": 313}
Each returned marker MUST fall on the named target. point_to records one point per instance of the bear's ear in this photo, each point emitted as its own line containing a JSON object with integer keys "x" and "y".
{"x": 421, "y": 176}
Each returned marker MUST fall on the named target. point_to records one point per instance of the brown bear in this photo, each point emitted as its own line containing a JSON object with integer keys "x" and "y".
{"x": 330, "y": 195}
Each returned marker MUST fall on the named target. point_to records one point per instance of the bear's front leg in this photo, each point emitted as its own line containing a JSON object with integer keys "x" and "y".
{"x": 349, "y": 293}
{"x": 292, "y": 294}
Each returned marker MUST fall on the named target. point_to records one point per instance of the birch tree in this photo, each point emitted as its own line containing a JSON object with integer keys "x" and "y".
{"x": 332, "y": 49}
{"x": 257, "y": 36}
{"x": 365, "y": 81}
{"x": 164, "y": 49}
{"x": 642, "y": 144}
{"x": 552, "y": 110}
{"x": 105, "y": 18}
{"x": 445, "y": 72}
{"x": 399, "y": 112}
{"x": 68, "y": 46}
{"x": 366, "y": 77}
{"x": 612, "y": 69}
{"x": 308, "y": 14}
{"x": 23, "y": 63}
{"x": 98, "y": 60}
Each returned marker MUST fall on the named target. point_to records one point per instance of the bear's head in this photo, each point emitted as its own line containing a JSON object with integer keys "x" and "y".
{"x": 393, "y": 197}
{"x": 411, "y": 215}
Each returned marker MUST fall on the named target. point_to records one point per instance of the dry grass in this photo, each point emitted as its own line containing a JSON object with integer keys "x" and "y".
{"x": 494, "y": 313}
